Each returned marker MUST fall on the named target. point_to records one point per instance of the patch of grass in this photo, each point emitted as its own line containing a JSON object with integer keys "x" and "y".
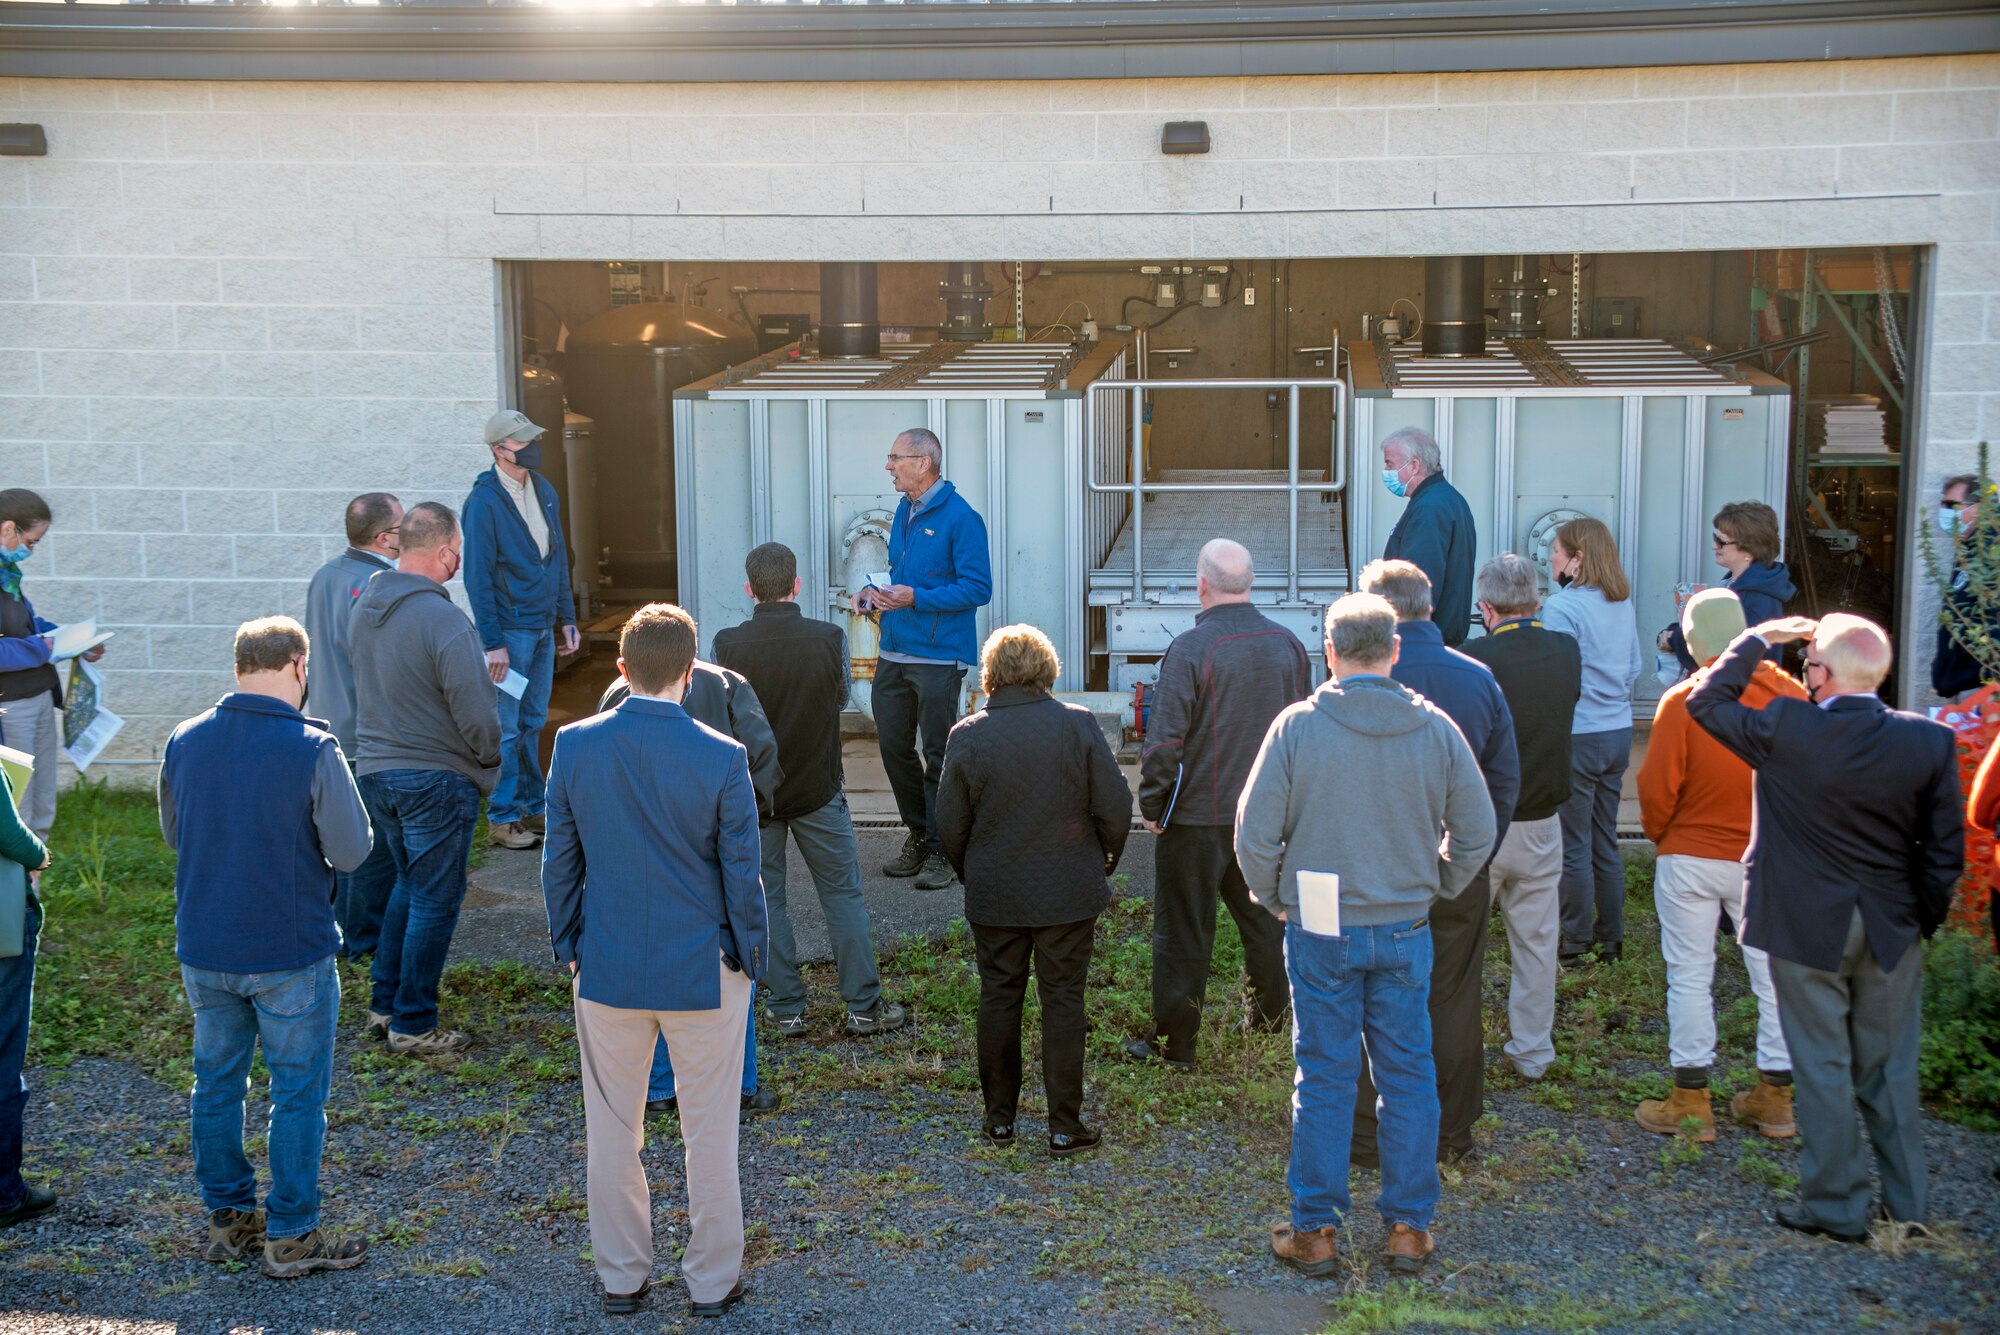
{"x": 1408, "y": 1306}
{"x": 1960, "y": 1063}
{"x": 1755, "y": 1163}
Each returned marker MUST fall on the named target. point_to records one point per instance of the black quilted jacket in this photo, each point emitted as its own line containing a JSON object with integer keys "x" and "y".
{"x": 1032, "y": 811}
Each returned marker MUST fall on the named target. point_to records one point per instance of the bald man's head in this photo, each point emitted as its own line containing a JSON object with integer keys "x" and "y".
{"x": 1225, "y": 567}
{"x": 1854, "y": 650}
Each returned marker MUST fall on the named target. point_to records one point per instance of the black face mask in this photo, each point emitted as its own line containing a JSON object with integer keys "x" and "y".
{"x": 529, "y": 455}
{"x": 1563, "y": 581}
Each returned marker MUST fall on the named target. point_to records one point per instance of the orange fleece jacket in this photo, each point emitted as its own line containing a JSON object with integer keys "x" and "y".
{"x": 1694, "y": 794}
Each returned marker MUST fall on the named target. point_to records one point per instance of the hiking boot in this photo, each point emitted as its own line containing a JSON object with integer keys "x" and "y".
{"x": 231, "y": 1233}
{"x": 535, "y": 824}
{"x": 512, "y": 835}
{"x": 1767, "y": 1107}
{"x": 35, "y": 1202}
{"x": 1408, "y": 1249}
{"x": 433, "y": 1044}
{"x": 288, "y": 1258}
{"x": 878, "y": 1019}
{"x": 937, "y": 874}
{"x": 377, "y": 1026}
{"x": 761, "y": 1100}
{"x": 1310, "y": 1252}
{"x": 786, "y": 1026}
{"x": 911, "y": 860}
{"x": 1146, "y": 1051}
{"x": 1665, "y": 1117}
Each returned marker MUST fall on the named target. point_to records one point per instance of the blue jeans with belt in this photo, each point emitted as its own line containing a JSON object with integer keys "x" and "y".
{"x": 17, "y": 987}
{"x": 294, "y": 1013}
{"x": 1373, "y": 981}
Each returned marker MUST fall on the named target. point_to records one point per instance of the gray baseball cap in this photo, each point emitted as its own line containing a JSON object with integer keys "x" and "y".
{"x": 510, "y": 425}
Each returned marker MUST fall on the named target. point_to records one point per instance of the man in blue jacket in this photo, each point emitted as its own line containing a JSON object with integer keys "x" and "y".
{"x": 517, "y": 580}
{"x": 1466, "y": 690}
{"x": 940, "y": 576}
{"x": 651, "y": 874}
{"x": 1435, "y": 531}
{"x": 257, "y": 801}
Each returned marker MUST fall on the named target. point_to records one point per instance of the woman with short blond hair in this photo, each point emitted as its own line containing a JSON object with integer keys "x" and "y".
{"x": 1033, "y": 814}
{"x": 1593, "y": 603}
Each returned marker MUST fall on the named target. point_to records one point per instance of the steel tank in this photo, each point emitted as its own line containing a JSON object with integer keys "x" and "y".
{"x": 621, "y": 370}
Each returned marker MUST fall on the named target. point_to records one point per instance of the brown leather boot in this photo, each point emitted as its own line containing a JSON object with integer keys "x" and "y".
{"x": 1309, "y": 1253}
{"x": 1767, "y": 1107}
{"x": 1409, "y": 1248}
{"x": 1667, "y": 1116}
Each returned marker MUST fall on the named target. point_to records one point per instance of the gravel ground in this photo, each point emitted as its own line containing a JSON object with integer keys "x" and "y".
{"x": 873, "y": 1204}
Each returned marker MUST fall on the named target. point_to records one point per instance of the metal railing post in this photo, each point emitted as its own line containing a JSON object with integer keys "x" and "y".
{"x": 1138, "y": 481}
{"x": 1292, "y": 501}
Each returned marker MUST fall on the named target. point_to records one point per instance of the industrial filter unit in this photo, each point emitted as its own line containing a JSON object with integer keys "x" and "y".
{"x": 793, "y": 451}
{"x": 1634, "y": 432}
{"x": 621, "y": 370}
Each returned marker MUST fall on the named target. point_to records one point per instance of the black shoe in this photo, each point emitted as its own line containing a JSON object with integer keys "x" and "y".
{"x": 1147, "y": 1051}
{"x": 721, "y": 1306}
{"x": 1798, "y": 1220}
{"x": 663, "y": 1107}
{"x": 1610, "y": 952}
{"x": 1062, "y": 1146}
{"x": 911, "y": 860}
{"x": 1576, "y": 959}
{"x": 760, "y": 1100}
{"x": 35, "y": 1202}
{"x": 1001, "y": 1135}
{"x": 936, "y": 875}
{"x": 625, "y": 1304}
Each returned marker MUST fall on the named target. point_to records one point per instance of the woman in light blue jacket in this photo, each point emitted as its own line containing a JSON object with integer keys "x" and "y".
{"x": 1594, "y": 604}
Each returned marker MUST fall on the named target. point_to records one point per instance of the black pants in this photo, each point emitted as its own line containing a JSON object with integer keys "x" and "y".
{"x": 1196, "y": 865}
{"x": 1458, "y": 1037}
{"x": 913, "y": 697}
{"x": 1061, "y": 956}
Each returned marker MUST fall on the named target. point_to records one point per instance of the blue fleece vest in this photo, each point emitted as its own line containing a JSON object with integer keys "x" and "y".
{"x": 252, "y": 892}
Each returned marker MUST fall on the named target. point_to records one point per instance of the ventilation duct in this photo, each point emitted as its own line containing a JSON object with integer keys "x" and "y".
{"x": 1454, "y": 306}
{"x": 848, "y": 324}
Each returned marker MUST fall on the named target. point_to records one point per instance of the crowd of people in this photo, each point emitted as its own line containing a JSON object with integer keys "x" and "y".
{"x": 1360, "y": 834}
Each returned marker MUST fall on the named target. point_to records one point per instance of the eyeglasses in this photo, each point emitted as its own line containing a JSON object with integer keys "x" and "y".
{"x": 1721, "y": 541}
{"x": 1815, "y": 663}
{"x": 1950, "y": 504}
{"x": 898, "y": 458}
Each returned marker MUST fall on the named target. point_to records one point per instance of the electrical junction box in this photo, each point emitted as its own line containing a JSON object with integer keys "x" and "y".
{"x": 1616, "y": 317}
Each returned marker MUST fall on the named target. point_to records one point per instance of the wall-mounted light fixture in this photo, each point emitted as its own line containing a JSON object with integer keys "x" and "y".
{"x": 23, "y": 141}
{"x": 1184, "y": 137}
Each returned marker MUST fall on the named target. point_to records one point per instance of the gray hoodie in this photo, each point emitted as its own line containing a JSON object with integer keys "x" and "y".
{"x": 422, "y": 697}
{"x": 1359, "y": 779}
{"x": 330, "y": 598}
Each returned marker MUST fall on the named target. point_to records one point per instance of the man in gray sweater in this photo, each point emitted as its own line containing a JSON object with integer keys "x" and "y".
{"x": 428, "y": 737}
{"x": 1367, "y": 782}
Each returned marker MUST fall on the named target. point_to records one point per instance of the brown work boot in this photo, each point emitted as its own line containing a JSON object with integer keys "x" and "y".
{"x": 1767, "y": 1107}
{"x": 512, "y": 835}
{"x": 1409, "y": 1248}
{"x": 1309, "y": 1253}
{"x": 289, "y": 1258}
{"x": 1668, "y": 1116}
{"x": 535, "y": 824}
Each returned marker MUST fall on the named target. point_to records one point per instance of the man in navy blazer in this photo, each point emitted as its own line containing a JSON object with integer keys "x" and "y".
{"x": 1466, "y": 689}
{"x": 1857, "y": 842}
{"x": 651, "y": 872}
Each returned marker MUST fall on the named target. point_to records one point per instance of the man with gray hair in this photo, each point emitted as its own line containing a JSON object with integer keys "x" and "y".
{"x": 940, "y": 575}
{"x": 1857, "y": 845}
{"x": 1220, "y": 686}
{"x": 1435, "y": 531}
{"x": 1411, "y": 822}
{"x": 1540, "y": 672}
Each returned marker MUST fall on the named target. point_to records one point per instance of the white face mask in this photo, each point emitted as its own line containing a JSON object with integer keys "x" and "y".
{"x": 1948, "y": 518}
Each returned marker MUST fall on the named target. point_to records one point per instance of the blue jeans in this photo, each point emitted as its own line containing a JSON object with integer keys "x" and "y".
{"x": 294, "y": 1013}
{"x": 660, "y": 1085}
{"x": 1373, "y": 981}
{"x": 1593, "y": 879}
{"x": 427, "y": 817}
{"x": 17, "y": 986}
{"x": 361, "y": 896}
{"x": 826, "y": 843}
{"x": 519, "y": 794}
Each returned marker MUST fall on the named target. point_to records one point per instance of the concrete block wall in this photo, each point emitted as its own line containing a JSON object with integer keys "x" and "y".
{"x": 226, "y": 307}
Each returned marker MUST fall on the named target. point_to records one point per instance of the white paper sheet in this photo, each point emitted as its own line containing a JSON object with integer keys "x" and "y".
{"x": 79, "y": 637}
{"x": 1319, "y": 902}
{"x": 880, "y": 579}
{"x": 514, "y": 683}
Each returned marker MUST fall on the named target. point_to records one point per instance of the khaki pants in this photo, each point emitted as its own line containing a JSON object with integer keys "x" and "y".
{"x": 707, "y": 1049}
{"x": 1527, "y": 874}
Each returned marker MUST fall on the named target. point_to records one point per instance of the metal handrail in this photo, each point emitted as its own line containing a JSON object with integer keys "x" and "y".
{"x": 1139, "y": 488}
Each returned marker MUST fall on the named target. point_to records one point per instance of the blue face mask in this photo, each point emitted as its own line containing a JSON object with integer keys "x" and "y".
{"x": 1392, "y": 479}
{"x": 528, "y": 455}
{"x": 16, "y": 555}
